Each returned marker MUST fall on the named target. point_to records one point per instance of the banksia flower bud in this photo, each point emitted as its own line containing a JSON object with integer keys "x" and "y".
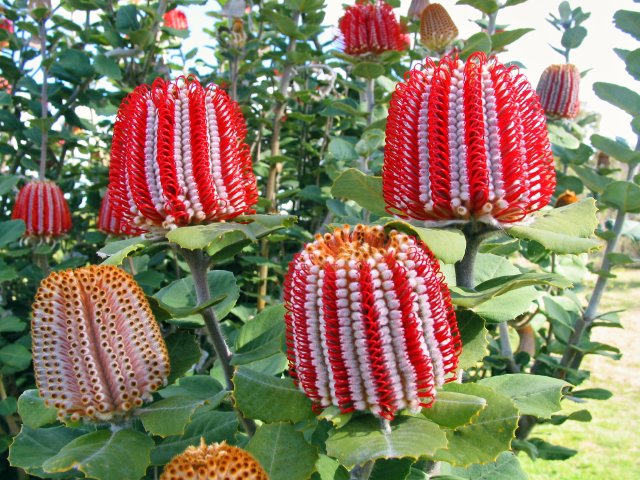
{"x": 559, "y": 89}
{"x": 371, "y": 28}
{"x": 567, "y": 198}
{"x": 370, "y": 324}
{"x": 437, "y": 30}
{"x": 416, "y": 7}
{"x": 176, "y": 19}
{"x": 179, "y": 157}
{"x": 466, "y": 141}
{"x": 218, "y": 461}
{"x": 97, "y": 350}
{"x": 44, "y": 210}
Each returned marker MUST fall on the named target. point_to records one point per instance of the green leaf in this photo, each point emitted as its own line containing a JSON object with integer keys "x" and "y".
{"x": 107, "y": 66}
{"x": 594, "y": 181}
{"x": 453, "y": 410}
{"x": 11, "y": 323}
{"x": 391, "y": 468}
{"x": 628, "y": 21}
{"x": 114, "y": 253}
{"x": 184, "y": 353}
{"x": 619, "y": 258}
{"x": 632, "y": 61}
{"x": 283, "y": 452}
{"x": 368, "y": 70}
{"x": 480, "y": 42}
{"x": 563, "y": 230}
{"x": 500, "y": 40}
{"x": 533, "y": 394}
{"x": 342, "y": 150}
{"x": 264, "y": 321}
{"x": 547, "y": 451}
{"x": 593, "y": 393}
{"x": 475, "y": 339}
{"x": 362, "y": 439}
{"x": 488, "y": 436}
{"x": 15, "y": 355}
{"x": 8, "y": 182}
{"x": 485, "y": 6}
{"x": 621, "y": 97}
{"x": 559, "y": 136}
{"x": 283, "y": 23}
{"x": 506, "y": 467}
{"x": 127, "y": 19}
{"x": 573, "y": 37}
{"x": 328, "y": 468}
{"x": 72, "y": 65}
{"x": 622, "y": 195}
{"x": 447, "y": 244}
{"x": 201, "y": 387}
{"x": 105, "y": 455}
{"x": 615, "y": 148}
{"x": 363, "y": 189}
{"x": 10, "y": 231}
{"x": 33, "y": 412}
{"x": 269, "y": 399}
{"x": 170, "y": 416}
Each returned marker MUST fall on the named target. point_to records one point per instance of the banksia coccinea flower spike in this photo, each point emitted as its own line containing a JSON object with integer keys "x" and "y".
{"x": 466, "y": 141}
{"x": 559, "y": 90}
{"x": 370, "y": 324}
{"x": 371, "y": 28}
{"x": 567, "y": 198}
{"x": 218, "y": 461}
{"x": 176, "y": 19}
{"x": 109, "y": 222}
{"x": 98, "y": 352}
{"x": 437, "y": 30}
{"x": 179, "y": 157}
{"x": 44, "y": 210}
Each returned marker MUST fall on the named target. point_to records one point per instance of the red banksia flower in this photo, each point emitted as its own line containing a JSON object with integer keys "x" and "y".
{"x": 437, "y": 30}
{"x": 466, "y": 141}
{"x": 179, "y": 157}
{"x": 370, "y": 324}
{"x": 176, "y": 19}
{"x": 558, "y": 89}
{"x": 6, "y": 24}
{"x": 109, "y": 222}
{"x": 371, "y": 28}
{"x": 44, "y": 210}
{"x": 217, "y": 461}
{"x": 97, "y": 349}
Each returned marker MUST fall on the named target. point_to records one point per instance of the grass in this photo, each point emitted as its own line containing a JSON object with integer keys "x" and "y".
{"x": 608, "y": 446}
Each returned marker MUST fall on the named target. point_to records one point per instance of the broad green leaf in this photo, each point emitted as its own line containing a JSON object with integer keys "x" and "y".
{"x": 559, "y": 136}
{"x": 363, "y": 189}
{"x": 269, "y": 337}
{"x": 615, "y": 148}
{"x": 480, "y": 42}
{"x": 563, "y": 230}
{"x": 107, "y": 66}
{"x": 33, "y": 412}
{"x": 447, "y": 244}
{"x": 184, "y": 353}
{"x": 622, "y": 97}
{"x": 453, "y": 410}
{"x": 15, "y": 355}
{"x": 363, "y": 439}
{"x": 114, "y": 253}
{"x": 594, "y": 181}
{"x": 127, "y": 19}
{"x": 283, "y": 23}
{"x": 368, "y": 70}
{"x": 263, "y": 322}
{"x": 475, "y": 338}
{"x": 283, "y": 452}
{"x": 212, "y": 425}
{"x": 488, "y": 436}
{"x": 573, "y": 37}
{"x": 268, "y": 398}
{"x": 629, "y": 22}
{"x": 199, "y": 387}
{"x": 11, "y": 323}
{"x": 485, "y": 6}
{"x": 388, "y": 468}
{"x": 624, "y": 196}
{"x": 105, "y": 455}
{"x": 632, "y": 61}
{"x": 592, "y": 393}
{"x": 506, "y": 467}
{"x": 548, "y": 451}
{"x": 10, "y": 231}
{"x": 533, "y": 394}
{"x": 328, "y": 468}
{"x": 8, "y": 182}
{"x": 72, "y": 65}
{"x": 342, "y": 150}
{"x": 170, "y": 416}
{"x": 502, "y": 39}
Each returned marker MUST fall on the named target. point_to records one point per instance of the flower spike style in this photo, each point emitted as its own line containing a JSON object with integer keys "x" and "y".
{"x": 559, "y": 89}
{"x": 179, "y": 157}
{"x": 371, "y": 28}
{"x": 98, "y": 352}
{"x": 176, "y": 19}
{"x": 44, "y": 210}
{"x": 437, "y": 30}
{"x": 217, "y": 461}
{"x": 466, "y": 142}
{"x": 370, "y": 325}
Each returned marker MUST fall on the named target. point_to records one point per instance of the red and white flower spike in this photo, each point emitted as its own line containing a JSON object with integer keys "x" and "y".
{"x": 98, "y": 351}
{"x": 370, "y": 325}
{"x": 466, "y": 141}
{"x": 109, "y": 222}
{"x": 371, "y": 28}
{"x": 44, "y": 210}
{"x": 179, "y": 157}
{"x": 437, "y": 29}
{"x": 176, "y": 19}
{"x": 559, "y": 90}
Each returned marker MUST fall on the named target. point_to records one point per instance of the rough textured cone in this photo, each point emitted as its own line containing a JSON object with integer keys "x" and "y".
{"x": 98, "y": 352}
{"x": 44, "y": 210}
{"x": 437, "y": 29}
{"x": 559, "y": 90}
{"x": 218, "y": 461}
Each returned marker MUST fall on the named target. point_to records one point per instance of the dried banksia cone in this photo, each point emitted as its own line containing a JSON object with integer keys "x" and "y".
{"x": 176, "y": 19}
{"x": 44, "y": 210}
{"x": 466, "y": 141}
{"x": 97, "y": 350}
{"x": 179, "y": 157}
{"x": 559, "y": 90}
{"x": 567, "y": 198}
{"x": 371, "y": 28}
{"x": 217, "y": 461}
{"x": 437, "y": 30}
{"x": 370, "y": 324}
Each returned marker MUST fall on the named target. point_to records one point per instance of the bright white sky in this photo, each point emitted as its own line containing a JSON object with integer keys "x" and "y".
{"x": 596, "y": 52}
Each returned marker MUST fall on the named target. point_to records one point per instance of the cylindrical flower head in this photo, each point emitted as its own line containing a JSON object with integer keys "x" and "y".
{"x": 370, "y": 325}
{"x": 179, "y": 157}
{"x": 437, "y": 30}
{"x": 6, "y": 24}
{"x": 466, "y": 141}
{"x": 176, "y": 19}
{"x": 371, "y": 28}
{"x": 559, "y": 90}
{"x": 217, "y": 461}
{"x": 98, "y": 352}
{"x": 109, "y": 222}
{"x": 44, "y": 210}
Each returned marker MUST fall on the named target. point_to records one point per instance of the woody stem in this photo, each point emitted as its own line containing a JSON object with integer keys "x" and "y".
{"x": 44, "y": 99}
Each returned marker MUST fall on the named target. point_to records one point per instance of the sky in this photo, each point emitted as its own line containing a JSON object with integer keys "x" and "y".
{"x": 533, "y": 50}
